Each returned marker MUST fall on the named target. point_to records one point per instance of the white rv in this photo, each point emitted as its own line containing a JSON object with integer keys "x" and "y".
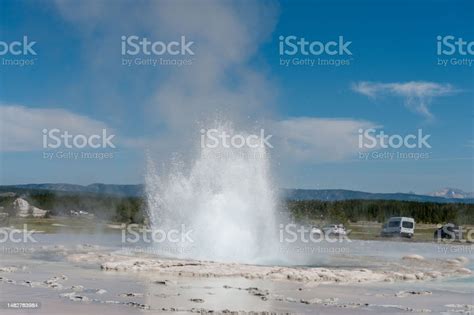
{"x": 399, "y": 226}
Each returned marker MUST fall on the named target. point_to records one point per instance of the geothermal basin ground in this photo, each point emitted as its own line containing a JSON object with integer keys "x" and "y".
{"x": 103, "y": 276}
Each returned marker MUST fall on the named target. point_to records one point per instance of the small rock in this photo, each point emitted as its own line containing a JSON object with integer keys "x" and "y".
{"x": 413, "y": 257}
{"x": 197, "y": 300}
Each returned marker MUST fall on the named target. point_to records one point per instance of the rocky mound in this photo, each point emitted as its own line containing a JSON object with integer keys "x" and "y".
{"x": 23, "y": 209}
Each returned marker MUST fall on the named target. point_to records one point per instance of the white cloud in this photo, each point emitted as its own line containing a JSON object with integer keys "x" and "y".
{"x": 418, "y": 95}
{"x": 307, "y": 139}
{"x": 318, "y": 139}
{"x": 21, "y": 128}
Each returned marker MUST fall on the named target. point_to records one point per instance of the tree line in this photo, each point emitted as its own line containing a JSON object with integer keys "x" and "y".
{"x": 381, "y": 210}
{"x": 105, "y": 207}
{"x": 132, "y": 209}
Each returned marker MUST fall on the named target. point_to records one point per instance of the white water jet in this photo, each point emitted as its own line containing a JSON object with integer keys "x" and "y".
{"x": 226, "y": 198}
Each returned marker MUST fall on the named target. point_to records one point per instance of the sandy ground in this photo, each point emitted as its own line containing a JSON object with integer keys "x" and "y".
{"x": 90, "y": 279}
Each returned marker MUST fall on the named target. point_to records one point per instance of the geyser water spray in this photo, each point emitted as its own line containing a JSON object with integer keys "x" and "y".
{"x": 225, "y": 198}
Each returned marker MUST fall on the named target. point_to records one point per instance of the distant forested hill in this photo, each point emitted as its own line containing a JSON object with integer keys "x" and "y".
{"x": 126, "y": 203}
{"x": 289, "y": 194}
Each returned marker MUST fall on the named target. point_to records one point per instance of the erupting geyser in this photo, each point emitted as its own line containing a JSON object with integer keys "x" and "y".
{"x": 225, "y": 198}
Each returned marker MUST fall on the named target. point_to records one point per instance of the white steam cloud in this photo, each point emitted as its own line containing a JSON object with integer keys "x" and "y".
{"x": 223, "y": 79}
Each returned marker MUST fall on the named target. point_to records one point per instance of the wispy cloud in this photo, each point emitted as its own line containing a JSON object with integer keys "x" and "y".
{"x": 314, "y": 139}
{"x": 418, "y": 95}
{"x": 22, "y": 127}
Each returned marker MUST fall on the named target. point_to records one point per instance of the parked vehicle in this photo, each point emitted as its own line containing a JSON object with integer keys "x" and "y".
{"x": 316, "y": 230}
{"x": 335, "y": 229}
{"x": 399, "y": 226}
{"x": 448, "y": 231}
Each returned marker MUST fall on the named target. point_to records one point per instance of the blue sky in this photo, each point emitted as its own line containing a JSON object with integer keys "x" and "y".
{"x": 393, "y": 83}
